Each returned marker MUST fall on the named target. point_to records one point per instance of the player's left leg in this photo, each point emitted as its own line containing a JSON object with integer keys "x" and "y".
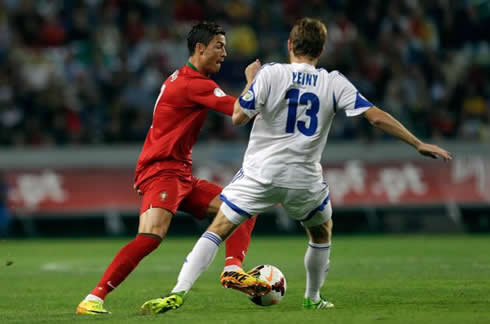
{"x": 201, "y": 256}
{"x": 228, "y": 219}
{"x": 204, "y": 251}
{"x": 239, "y": 241}
{"x": 204, "y": 201}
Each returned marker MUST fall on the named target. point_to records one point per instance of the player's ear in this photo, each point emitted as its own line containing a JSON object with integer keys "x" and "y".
{"x": 290, "y": 46}
{"x": 200, "y": 47}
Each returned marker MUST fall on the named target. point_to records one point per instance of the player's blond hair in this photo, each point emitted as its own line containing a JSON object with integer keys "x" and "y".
{"x": 308, "y": 37}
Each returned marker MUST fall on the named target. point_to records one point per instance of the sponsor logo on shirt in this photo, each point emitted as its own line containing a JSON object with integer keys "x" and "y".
{"x": 219, "y": 93}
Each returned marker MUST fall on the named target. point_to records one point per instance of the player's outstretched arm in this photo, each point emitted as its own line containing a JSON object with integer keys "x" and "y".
{"x": 387, "y": 123}
{"x": 239, "y": 117}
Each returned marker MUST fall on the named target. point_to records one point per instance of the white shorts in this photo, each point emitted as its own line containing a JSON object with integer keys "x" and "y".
{"x": 245, "y": 197}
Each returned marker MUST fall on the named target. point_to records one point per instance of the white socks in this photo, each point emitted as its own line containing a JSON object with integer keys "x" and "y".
{"x": 201, "y": 256}
{"x": 317, "y": 261}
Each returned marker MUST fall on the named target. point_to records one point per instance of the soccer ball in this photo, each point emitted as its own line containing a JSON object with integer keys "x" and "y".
{"x": 277, "y": 280}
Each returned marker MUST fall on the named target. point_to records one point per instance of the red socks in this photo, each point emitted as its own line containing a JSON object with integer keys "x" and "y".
{"x": 238, "y": 242}
{"x": 124, "y": 262}
{"x": 131, "y": 254}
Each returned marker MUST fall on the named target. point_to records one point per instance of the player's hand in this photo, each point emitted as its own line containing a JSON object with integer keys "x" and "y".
{"x": 252, "y": 69}
{"x": 434, "y": 151}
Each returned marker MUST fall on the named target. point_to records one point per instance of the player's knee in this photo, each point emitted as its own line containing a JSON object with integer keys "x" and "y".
{"x": 222, "y": 226}
{"x": 329, "y": 225}
{"x": 220, "y": 230}
{"x": 213, "y": 207}
{"x": 321, "y": 233}
{"x": 158, "y": 230}
{"x": 155, "y": 221}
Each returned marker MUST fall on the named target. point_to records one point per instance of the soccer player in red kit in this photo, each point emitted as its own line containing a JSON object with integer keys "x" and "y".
{"x": 164, "y": 170}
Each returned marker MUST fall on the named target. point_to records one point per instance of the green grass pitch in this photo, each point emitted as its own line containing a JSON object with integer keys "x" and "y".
{"x": 373, "y": 279}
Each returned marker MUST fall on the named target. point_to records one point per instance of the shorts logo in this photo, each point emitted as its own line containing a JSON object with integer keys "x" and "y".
{"x": 249, "y": 96}
{"x": 163, "y": 195}
{"x": 219, "y": 93}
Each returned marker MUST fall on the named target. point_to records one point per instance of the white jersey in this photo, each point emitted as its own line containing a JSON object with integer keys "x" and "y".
{"x": 295, "y": 105}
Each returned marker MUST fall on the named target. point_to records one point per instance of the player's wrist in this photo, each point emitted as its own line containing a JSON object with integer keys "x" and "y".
{"x": 418, "y": 144}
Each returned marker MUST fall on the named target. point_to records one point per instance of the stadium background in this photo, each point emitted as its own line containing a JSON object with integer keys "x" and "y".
{"x": 78, "y": 81}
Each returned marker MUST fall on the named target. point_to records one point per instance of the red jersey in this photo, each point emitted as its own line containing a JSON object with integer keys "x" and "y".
{"x": 180, "y": 111}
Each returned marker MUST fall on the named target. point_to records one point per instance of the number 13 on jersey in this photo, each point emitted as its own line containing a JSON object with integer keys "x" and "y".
{"x": 294, "y": 98}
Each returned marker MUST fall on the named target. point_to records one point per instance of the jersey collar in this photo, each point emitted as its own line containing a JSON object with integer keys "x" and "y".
{"x": 192, "y": 66}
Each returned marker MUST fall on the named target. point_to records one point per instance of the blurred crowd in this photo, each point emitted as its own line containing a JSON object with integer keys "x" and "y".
{"x": 89, "y": 71}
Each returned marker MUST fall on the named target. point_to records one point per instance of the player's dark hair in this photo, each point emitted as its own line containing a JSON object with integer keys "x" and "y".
{"x": 308, "y": 37}
{"x": 203, "y": 33}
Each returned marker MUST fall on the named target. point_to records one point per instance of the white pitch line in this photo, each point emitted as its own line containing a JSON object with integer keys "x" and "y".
{"x": 86, "y": 268}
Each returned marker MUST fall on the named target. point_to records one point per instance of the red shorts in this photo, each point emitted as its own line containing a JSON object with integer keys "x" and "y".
{"x": 172, "y": 192}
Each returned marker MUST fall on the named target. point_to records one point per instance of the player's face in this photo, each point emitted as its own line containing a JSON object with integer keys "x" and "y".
{"x": 214, "y": 54}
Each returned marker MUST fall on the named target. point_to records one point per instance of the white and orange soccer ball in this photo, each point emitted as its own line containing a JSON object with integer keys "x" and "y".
{"x": 277, "y": 280}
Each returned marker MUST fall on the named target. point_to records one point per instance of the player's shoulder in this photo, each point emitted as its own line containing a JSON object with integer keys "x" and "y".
{"x": 275, "y": 71}
{"x": 270, "y": 67}
{"x": 338, "y": 80}
{"x": 183, "y": 76}
{"x": 198, "y": 81}
{"x": 188, "y": 74}
{"x": 337, "y": 75}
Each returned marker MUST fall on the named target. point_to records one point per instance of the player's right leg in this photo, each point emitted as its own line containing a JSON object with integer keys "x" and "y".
{"x": 161, "y": 197}
{"x": 153, "y": 226}
{"x": 313, "y": 209}
{"x": 317, "y": 262}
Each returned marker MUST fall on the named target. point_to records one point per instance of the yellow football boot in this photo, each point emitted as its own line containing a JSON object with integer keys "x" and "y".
{"x": 245, "y": 282}
{"x": 164, "y": 304}
{"x": 91, "y": 307}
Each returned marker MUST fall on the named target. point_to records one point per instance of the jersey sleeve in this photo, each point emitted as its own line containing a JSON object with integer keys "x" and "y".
{"x": 208, "y": 94}
{"x": 255, "y": 98}
{"x": 346, "y": 97}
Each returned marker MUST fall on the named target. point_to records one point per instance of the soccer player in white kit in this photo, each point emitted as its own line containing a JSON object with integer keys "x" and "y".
{"x": 294, "y": 106}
